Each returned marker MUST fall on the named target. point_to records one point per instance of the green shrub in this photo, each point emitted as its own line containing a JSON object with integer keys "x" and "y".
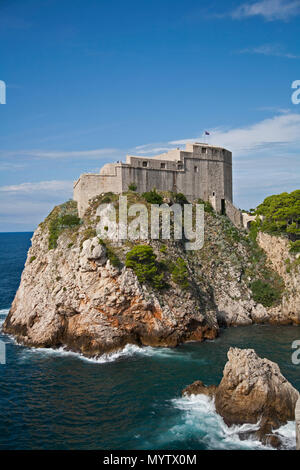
{"x": 69, "y": 220}
{"x": 113, "y": 257}
{"x": 106, "y": 200}
{"x": 295, "y": 247}
{"x": 54, "y": 232}
{"x": 58, "y": 224}
{"x": 88, "y": 233}
{"x": 233, "y": 234}
{"x": 180, "y": 273}
{"x": 142, "y": 260}
{"x": 264, "y": 293}
{"x": 179, "y": 198}
{"x": 153, "y": 197}
{"x": 32, "y": 259}
{"x": 163, "y": 249}
{"x": 132, "y": 187}
{"x": 254, "y": 229}
{"x": 207, "y": 206}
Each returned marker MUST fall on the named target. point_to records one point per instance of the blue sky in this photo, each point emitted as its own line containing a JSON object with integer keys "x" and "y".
{"x": 88, "y": 81}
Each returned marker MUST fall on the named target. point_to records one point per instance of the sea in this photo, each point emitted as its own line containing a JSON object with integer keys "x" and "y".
{"x": 131, "y": 399}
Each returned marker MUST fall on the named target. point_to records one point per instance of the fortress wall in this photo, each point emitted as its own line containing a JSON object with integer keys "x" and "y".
{"x": 155, "y": 164}
{"x": 228, "y": 182}
{"x": 91, "y": 185}
{"x": 234, "y": 214}
{"x": 191, "y": 182}
{"x": 215, "y": 179}
{"x": 200, "y": 171}
{"x": 199, "y": 178}
{"x": 146, "y": 179}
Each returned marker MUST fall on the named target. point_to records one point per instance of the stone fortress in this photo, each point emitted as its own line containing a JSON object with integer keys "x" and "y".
{"x": 200, "y": 171}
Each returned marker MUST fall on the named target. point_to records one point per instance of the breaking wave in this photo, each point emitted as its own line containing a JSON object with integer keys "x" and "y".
{"x": 128, "y": 351}
{"x": 3, "y": 315}
{"x": 198, "y": 420}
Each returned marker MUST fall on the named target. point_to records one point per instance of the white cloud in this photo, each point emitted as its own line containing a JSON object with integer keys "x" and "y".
{"x": 266, "y": 161}
{"x": 275, "y": 50}
{"x": 270, "y": 10}
{"x": 88, "y": 154}
{"x": 41, "y": 186}
{"x": 24, "y": 206}
{"x": 8, "y": 166}
{"x": 266, "y": 156}
{"x": 75, "y": 154}
{"x": 278, "y": 131}
{"x": 151, "y": 149}
{"x": 275, "y": 109}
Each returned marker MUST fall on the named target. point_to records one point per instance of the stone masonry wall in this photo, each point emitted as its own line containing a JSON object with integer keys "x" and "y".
{"x": 200, "y": 171}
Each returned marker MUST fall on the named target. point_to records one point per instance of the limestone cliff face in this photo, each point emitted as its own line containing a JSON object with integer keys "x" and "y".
{"x": 72, "y": 293}
{"x": 288, "y": 267}
{"x": 252, "y": 390}
{"x": 72, "y": 296}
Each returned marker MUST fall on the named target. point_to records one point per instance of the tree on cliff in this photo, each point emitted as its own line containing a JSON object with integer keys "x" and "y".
{"x": 281, "y": 214}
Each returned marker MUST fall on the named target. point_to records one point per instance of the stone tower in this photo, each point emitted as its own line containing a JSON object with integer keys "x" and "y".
{"x": 200, "y": 171}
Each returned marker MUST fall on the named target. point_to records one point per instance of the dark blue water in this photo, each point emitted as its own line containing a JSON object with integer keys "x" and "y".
{"x": 131, "y": 400}
{"x": 13, "y": 250}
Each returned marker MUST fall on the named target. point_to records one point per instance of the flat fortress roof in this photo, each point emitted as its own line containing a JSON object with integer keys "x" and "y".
{"x": 174, "y": 154}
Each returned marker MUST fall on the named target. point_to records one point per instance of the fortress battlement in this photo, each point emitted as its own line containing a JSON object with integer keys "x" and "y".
{"x": 199, "y": 171}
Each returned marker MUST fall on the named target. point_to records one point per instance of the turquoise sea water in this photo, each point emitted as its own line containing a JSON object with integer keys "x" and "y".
{"x": 129, "y": 400}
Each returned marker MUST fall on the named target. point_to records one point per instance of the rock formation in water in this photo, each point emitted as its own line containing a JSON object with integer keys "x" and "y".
{"x": 252, "y": 390}
{"x": 77, "y": 292}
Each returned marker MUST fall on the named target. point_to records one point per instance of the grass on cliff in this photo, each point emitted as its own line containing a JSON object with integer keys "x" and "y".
{"x": 222, "y": 247}
{"x": 266, "y": 285}
{"x": 265, "y": 293}
{"x": 111, "y": 255}
{"x": 60, "y": 218}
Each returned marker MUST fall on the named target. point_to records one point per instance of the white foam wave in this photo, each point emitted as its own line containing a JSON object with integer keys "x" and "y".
{"x": 3, "y": 315}
{"x": 199, "y": 420}
{"x": 128, "y": 351}
{"x": 4, "y": 311}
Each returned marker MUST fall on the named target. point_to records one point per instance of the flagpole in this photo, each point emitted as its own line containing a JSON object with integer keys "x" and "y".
{"x": 205, "y": 133}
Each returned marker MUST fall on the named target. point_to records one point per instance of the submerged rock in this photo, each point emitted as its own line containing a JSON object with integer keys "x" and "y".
{"x": 198, "y": 388}
{"x": 252, "y": 390}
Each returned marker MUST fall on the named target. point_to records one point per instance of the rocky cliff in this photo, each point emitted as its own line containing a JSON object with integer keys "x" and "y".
{"x": 76, "y": 291}
{"x": 252, "y": 390}
{"x": 287, "y": 265}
